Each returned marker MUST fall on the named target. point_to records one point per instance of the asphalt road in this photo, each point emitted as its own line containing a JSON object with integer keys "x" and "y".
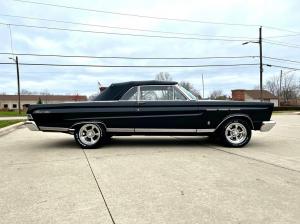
{"x": 46, "y": 178}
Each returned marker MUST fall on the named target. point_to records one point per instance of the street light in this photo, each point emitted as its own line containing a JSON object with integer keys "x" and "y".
{"x": 260, "y": 61}
{"x": 18, "y": 79}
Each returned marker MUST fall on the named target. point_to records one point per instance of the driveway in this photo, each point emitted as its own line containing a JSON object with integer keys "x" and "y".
{"x": 46, "y": 178}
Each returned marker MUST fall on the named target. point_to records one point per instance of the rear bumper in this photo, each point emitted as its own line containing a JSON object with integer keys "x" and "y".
{"x": 31, "y": 125}
{"x": 267, "y": 125}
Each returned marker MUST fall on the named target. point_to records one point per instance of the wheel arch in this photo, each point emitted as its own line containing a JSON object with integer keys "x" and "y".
{"x": 77, "y": 124}
{"x": 232, "y": 116}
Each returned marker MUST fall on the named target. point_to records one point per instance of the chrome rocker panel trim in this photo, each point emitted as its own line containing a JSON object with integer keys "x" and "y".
{"x": 58, "y": 129}
{"x": 31, "y": 125}
{"x": 159, "y": 130}
{"x": 267, "y": 126}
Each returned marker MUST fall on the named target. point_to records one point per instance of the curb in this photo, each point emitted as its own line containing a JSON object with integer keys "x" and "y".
{"x": 11, "y": 128}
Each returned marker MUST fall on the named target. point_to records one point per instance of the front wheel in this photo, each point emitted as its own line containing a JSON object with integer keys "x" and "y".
{"x": 235, "y": 133}
{"x": 89, "y": 135}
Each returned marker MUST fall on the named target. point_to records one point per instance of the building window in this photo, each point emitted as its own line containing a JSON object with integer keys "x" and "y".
{"x": 14, "y": 106}
{"x": 5, "y": 106}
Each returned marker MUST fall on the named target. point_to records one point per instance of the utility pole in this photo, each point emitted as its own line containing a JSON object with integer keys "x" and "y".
{"x": 260, "y": 61}
{"x": 260, "y": 64}
{"x": 279, "y": 92}
{"x": 18, "y": 78}
{"x": 202, "y": 87}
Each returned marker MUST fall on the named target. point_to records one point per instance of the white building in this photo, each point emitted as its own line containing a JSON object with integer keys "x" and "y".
{"x": 10, "y": 102}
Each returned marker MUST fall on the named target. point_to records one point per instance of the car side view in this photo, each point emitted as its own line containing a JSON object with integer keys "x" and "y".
{"x": 151, "y": 108}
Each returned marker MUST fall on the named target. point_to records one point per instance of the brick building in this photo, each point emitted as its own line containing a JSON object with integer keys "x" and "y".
{"x": 253, "y": 96}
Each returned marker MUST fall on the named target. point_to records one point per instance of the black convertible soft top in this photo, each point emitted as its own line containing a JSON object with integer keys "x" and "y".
{"x": 116, "y": 90}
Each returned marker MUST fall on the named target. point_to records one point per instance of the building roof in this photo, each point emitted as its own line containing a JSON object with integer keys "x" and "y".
{"x": 44, "y": 97}
{"x": 116, "y": 90}
{"x": 255, "y": 94}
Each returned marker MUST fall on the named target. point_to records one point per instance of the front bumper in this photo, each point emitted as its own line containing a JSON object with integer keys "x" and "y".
{"x": 31, "y": 125}
{"x": 267, "y": 125}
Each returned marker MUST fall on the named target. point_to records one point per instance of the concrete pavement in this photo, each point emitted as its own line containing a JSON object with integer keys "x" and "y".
{"x": 46, "y": 178}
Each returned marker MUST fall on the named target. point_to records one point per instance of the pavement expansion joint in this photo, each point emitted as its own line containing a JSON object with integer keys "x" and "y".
{"x": 99, "y": 188}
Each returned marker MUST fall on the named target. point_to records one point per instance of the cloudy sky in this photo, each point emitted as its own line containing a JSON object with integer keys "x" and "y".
{"x": 69, "y": 80}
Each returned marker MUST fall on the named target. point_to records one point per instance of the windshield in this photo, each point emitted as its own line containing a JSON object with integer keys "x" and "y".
{"x": 188, "y": 93}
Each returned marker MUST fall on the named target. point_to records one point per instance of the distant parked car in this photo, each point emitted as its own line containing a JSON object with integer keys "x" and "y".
{"x": 151, "y": 108}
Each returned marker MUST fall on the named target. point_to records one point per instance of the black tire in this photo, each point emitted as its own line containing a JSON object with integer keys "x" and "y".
{"x": 90, "y": 135}
{"x": 235, "y": 137}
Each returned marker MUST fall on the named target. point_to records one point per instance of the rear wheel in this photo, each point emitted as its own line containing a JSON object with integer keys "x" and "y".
{"x": 235, "y": 133}
{"x": 89, "y": 135}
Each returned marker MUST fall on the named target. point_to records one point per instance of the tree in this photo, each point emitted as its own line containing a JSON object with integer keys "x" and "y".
{"x": 27, "y": 92}
{"x": 290, "y": 87}
{"x": 189, "y": 86}
{"x": 45, "y": 93}
{"x": 40, "y": 101}
{"x": 218, "y": 95}
{"x": 163, "y": 76}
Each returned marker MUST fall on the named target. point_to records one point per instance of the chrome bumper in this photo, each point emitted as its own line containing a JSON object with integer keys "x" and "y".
{"x": 31, "y": 125}
{"x": 267, "y": 125}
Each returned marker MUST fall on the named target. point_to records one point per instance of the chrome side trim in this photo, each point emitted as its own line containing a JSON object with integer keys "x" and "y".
{"x": 120, "y": 129}
{"x": 140, "y": 116}
{"x": 31, "y": 125}
{"x": 59, "y": 129}
{"x": 154, "y": 130}
{"x": 267, "y": 126}
{"x": 223, "y": 109}
{"x": 210, "y": 130}
{"x": 235, "y": 115}
{"x": 164, "y": 130}
{"x": 41, "y": 111}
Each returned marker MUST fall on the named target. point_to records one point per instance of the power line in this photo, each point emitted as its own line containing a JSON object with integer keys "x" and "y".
{"x": 281, "y": 44}
{"x": 153, "y": 17}
{"x": 281, "y": 29}
{"x": 279, "y": 66}
{"x": 122, "y": 34}
{"x": 118, "y": 27}
{"x": 126, "y": 66}
{"x": 133, "y": 58}
{"x": 281, "y": 59}
{"x": 136, "y": 15}
{"x": 288, "y": 35}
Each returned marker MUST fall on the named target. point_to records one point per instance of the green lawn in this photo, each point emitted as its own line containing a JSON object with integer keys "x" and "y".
{"x": 11, "y": 113}
{"x": 6, "y": 123}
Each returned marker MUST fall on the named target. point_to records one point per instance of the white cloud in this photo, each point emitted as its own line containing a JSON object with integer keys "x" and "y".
{"x": 59, "y": 80}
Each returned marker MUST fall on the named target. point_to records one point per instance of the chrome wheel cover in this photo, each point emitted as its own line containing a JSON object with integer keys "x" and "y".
{"x": 90, "y": 134}
{"x": 236, "y": 133}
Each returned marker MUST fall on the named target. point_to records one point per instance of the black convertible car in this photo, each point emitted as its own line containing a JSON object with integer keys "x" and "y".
{"x": 151, "y": 108}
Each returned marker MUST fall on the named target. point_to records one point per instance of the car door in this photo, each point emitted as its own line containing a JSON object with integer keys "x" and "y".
{"x": 121, "y": 117}
{"x": 166, "y": 109}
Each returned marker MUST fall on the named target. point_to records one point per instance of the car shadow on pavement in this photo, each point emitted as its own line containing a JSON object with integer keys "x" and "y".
{"x": 128, "y": 142}
{"x": 158, "y": 142}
